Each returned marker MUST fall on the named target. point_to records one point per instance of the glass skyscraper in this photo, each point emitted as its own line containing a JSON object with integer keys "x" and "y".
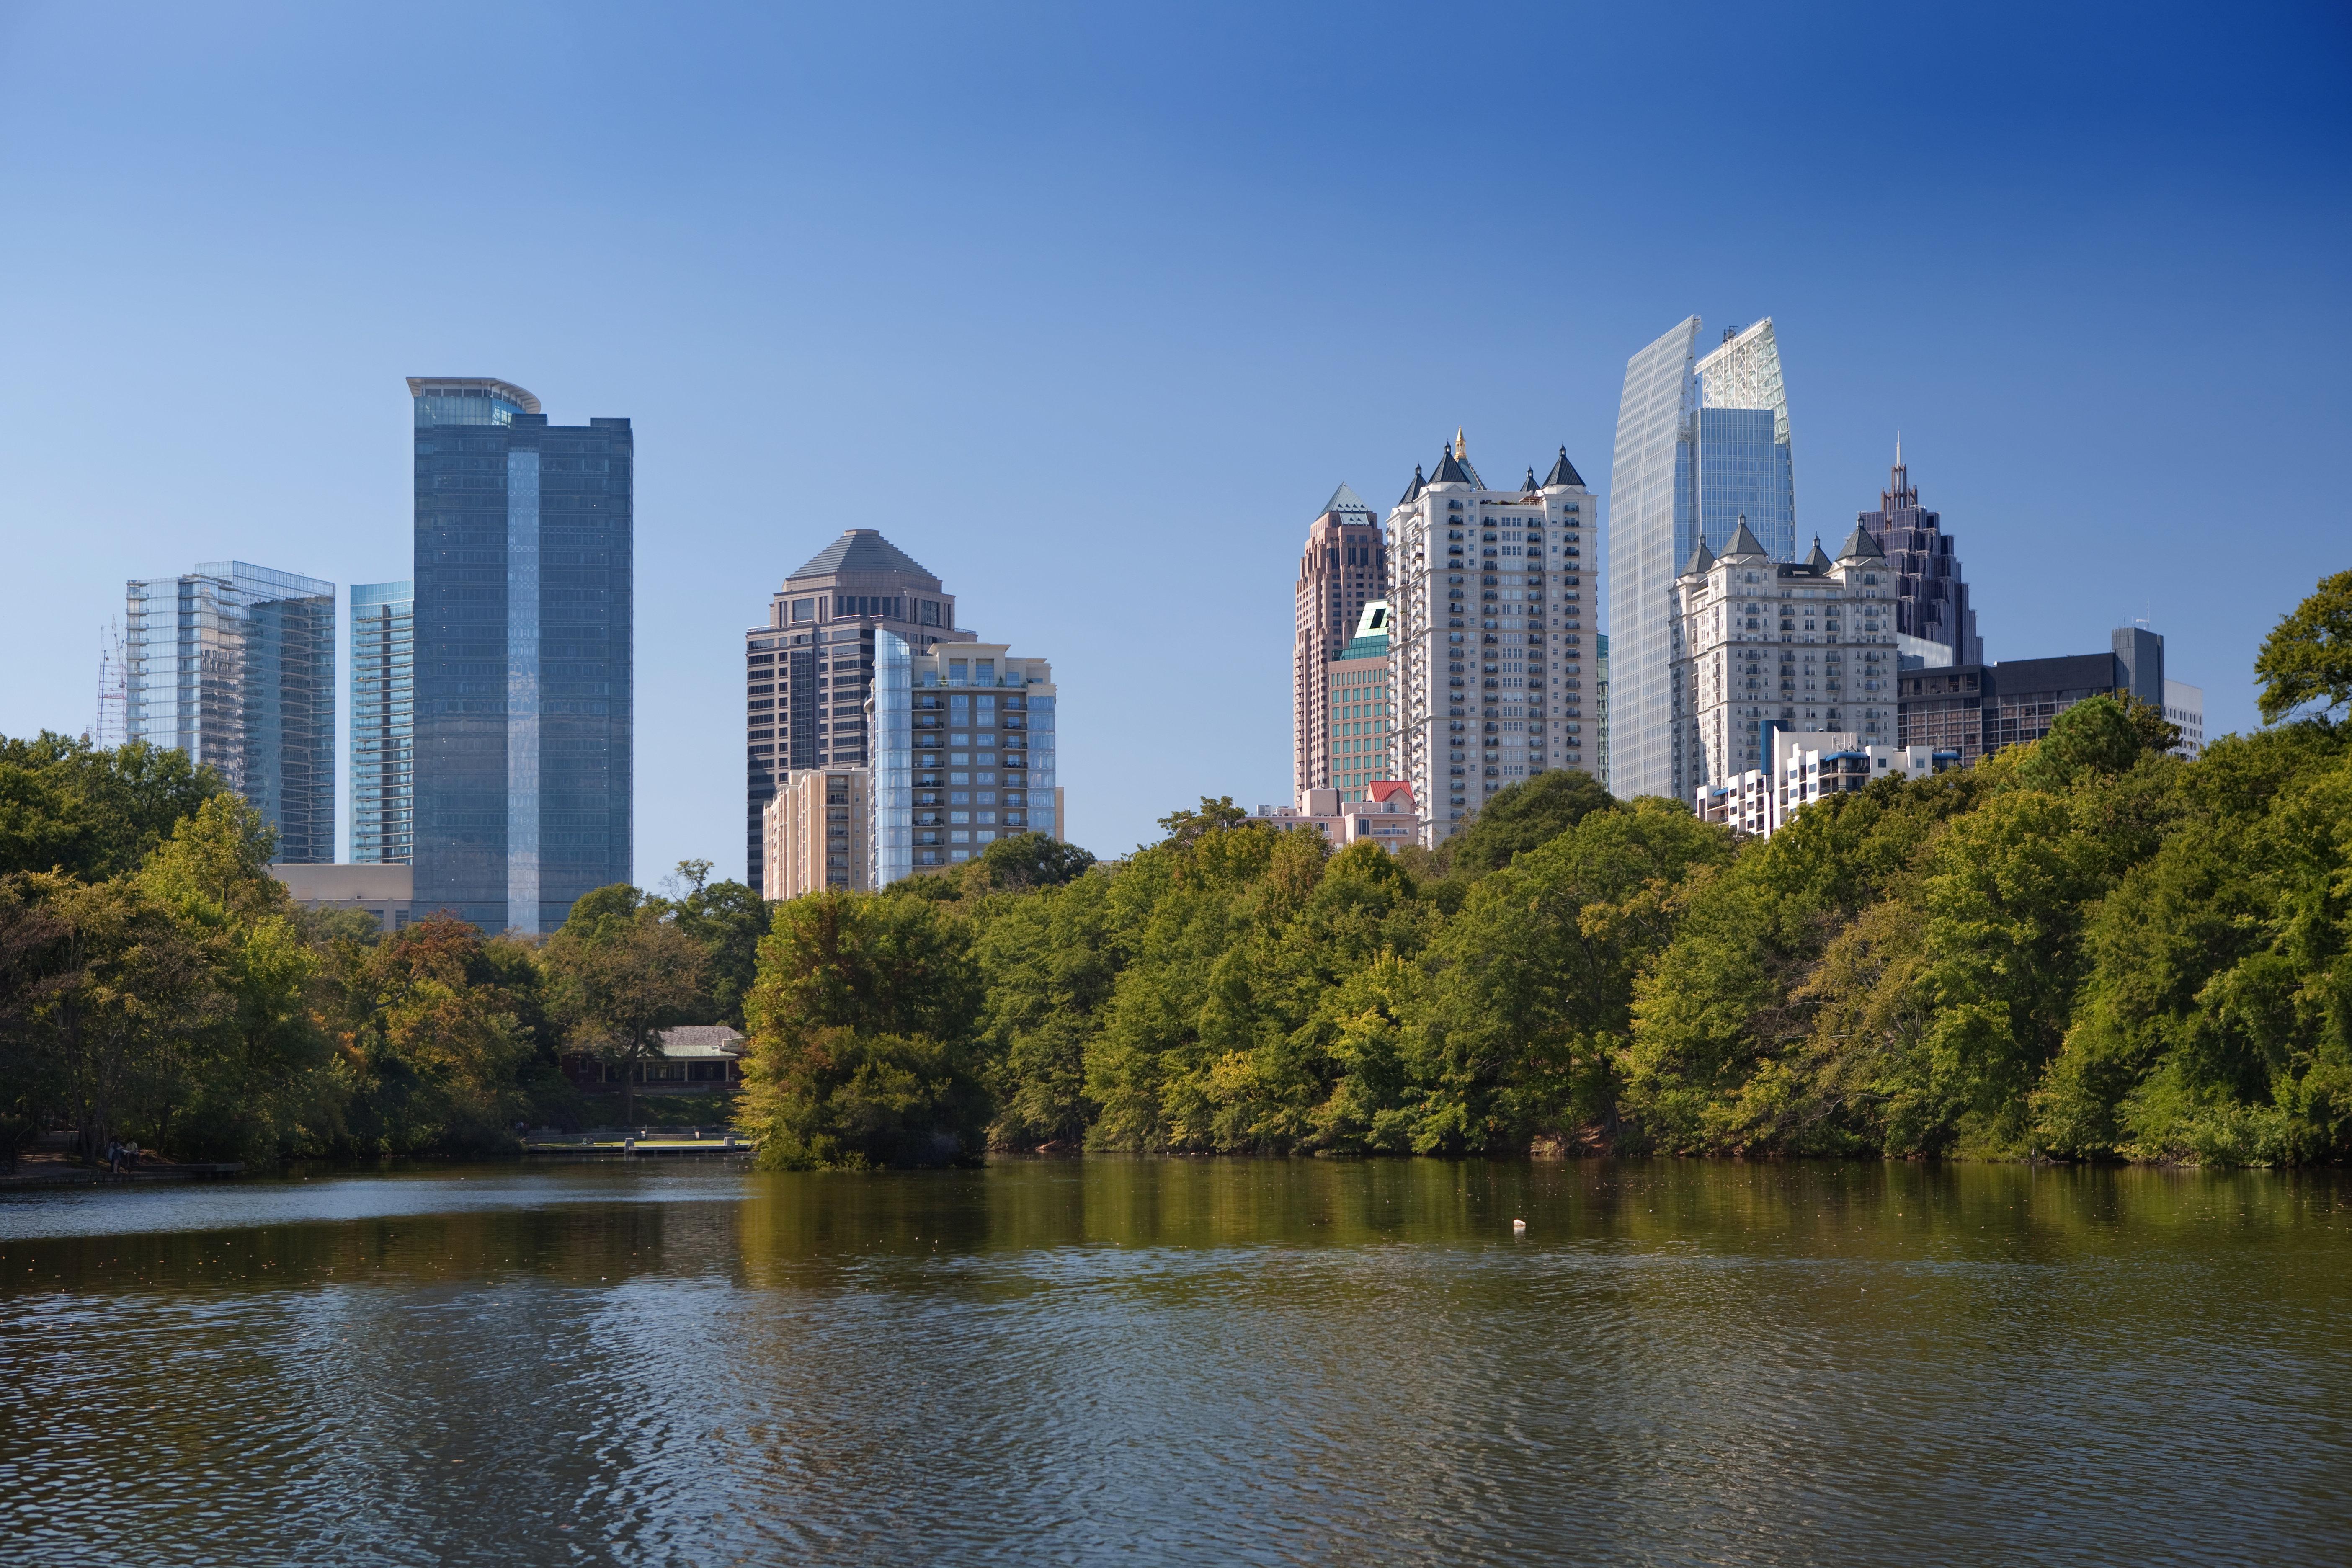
{"x": 234, "y": 665}
{"x": 384, "y": 722}
{"x": 524, "y": 654}
{"x": 1702, "y": 446}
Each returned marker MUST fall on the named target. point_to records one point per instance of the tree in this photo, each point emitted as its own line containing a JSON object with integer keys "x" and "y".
{"x": 2307, "y": 658}
{"x": 863, "y": 1035}
{"x": 619, "y": 979}
{"x": 1027, "y": 860}
{"x": 2095, "y": 736}
{"x": 728, "y": 919}
{"x": 67, "y": 805}
{"x": 1184, "y": 826}
{"x": 1526, "y": 814}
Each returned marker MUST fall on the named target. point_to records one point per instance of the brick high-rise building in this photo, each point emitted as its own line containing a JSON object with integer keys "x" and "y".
{"x": 808, "y": 672}
{"x": 1344, "y": 567}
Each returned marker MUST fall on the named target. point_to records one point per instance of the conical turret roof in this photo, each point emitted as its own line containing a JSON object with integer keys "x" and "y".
{"x": 1563, "y": 473}
{"x": 1861, "y": 546}
{"x": 1744, "y": 542}
{"x": 1450, "y": 469}
{"x": 1702, "y": 561}
{"x": 1415, "y": 488}
{"x": 1819, "y": 560}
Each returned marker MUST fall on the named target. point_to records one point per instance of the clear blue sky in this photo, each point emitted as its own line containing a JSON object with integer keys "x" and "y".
{"x": 1088, "y": 308}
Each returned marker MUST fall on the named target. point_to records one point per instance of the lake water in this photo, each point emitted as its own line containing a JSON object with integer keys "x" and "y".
{"x": 1197, "y": 1361}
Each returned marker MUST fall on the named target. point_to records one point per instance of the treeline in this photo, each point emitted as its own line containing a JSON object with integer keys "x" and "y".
{"x": 158, "y": 984}
{"x": 2082, "y": 948}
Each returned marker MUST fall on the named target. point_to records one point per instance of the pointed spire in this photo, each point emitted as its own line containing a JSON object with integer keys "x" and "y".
{"x": 1461, "y": 448}
{"x": 1702, "y": 561}
{"x": 1532, "y": 479}
{"x": 1819, "y": 560}
{"x": 1415, "y": 488}
{"x": 1860, "y": 546}
{"x": 1344, "y": 499}
{"x": 1563, "y": 473}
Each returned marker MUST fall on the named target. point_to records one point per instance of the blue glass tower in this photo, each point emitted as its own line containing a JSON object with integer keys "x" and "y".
{"x": 384, "y": 722}
{"x": 524, "y": 654}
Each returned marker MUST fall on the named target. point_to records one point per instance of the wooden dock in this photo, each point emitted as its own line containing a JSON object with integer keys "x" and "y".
{"x": 644, "y": 1143}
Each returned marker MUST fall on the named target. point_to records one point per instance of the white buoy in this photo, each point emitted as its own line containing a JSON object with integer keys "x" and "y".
{"x": 1517, "y": 1225}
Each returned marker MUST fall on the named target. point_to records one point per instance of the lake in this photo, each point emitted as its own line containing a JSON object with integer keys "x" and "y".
{"x": 1173, "y": 1361}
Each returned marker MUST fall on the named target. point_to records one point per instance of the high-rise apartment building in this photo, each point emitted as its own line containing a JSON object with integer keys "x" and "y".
{"x": 1362, "y": 732}
{"x": 2184, "y": 705}
{"x": 234, "y": 665}
{"x": 1600, "y": 711}
{"x": 963, "y": 754}
{"x": 1931, "y": 600}
{"x": 1344, "y": 567}
{"x": 807, "y": 674}
{"x": 1703, "y": 448}
{"x": 384, "y": 722}
{"x": 819, "y": 828}
{"x": 1487, "y": 633}
{"x": 1763, "y": 645}
{"x": 525, "y": 655}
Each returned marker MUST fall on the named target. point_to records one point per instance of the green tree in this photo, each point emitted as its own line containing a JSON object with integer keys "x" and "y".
{"x": 1185, "y": 827}
{"x": 619, "y": 974}
{"x": 2307, "y": 658}
{"x": 1026, "y": 860}
{"x": 862, "y": 1048}
{"x": 728, "y": 918}
{"x": 1526, "y": 814}
{"x": 67, "y": 805}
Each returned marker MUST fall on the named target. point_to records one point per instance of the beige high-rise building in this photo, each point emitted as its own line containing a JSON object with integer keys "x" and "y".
{"x": 815, "y": 833}
{"x": 1344, "y": 567}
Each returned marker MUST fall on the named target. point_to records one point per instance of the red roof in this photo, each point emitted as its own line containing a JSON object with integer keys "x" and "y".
{"x": 1380, "y": 790}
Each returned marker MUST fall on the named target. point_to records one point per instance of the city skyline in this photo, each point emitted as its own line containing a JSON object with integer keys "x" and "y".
{"x": 1090, "y": 318}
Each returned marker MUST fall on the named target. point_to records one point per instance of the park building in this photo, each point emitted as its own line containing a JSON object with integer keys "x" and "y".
{"x": 1487, "y": 633}
{"x": 1761, "y": 645}
{"x": 1342, "y": 572}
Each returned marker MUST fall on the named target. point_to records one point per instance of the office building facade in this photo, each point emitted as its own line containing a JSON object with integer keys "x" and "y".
{"x": 383, "y": 724}
{"x": 525, "y": 655}
{"x": 234, "y": 665}
{"x": 1360, "y": 731}
{"x": 809, "y": 672}
{"x": 1931, "y": 597}
{"x": 1763, "y": 645}
{"x": 2184, "y": 705}
{"x": 1487, "y": 633}
{"x": 1703, "y": 448}
{"x": 1343, "y": 568}
{"x": 1976, "y": 709}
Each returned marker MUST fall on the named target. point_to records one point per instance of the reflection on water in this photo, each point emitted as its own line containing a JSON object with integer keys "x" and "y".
{"x": 1259, "y": 1362}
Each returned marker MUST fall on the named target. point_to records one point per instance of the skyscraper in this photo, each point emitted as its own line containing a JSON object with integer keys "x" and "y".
{"x": 1362, "y": 738}
{"x": 1931, "y": 602}
{"x": 1344, "y": 567}
{"x": 234, "y": 665}
{"x": 1486, "y": 633}
{"x": 1702, "y": 446}
{"x": 524, "y": 654}
{"x": 384, "y": 722}
{"x": 808, "y": 672}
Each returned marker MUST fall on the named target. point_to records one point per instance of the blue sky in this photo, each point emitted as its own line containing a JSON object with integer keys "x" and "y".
{"x": 1090, "y": 308}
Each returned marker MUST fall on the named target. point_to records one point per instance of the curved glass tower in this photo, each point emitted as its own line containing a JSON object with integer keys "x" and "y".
{"x": 1702, "y": 446}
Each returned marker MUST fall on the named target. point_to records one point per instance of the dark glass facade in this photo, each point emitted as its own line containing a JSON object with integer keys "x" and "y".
{"x": 1931, "y": 601}
{"x": 524, "y": 655}
{"x": 1976, "y": 709}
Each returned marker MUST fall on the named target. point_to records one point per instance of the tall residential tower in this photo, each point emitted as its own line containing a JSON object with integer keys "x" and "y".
{"x": 1343, "y": 568}
{"x": 384, "y": 722}
{"x": 234, "y": 665}
{"x": 1931, "y": 600}
{"x": 1487, "y": 633}
{"x": 525, "y": 655}
{"x": 1702, "y": 448}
